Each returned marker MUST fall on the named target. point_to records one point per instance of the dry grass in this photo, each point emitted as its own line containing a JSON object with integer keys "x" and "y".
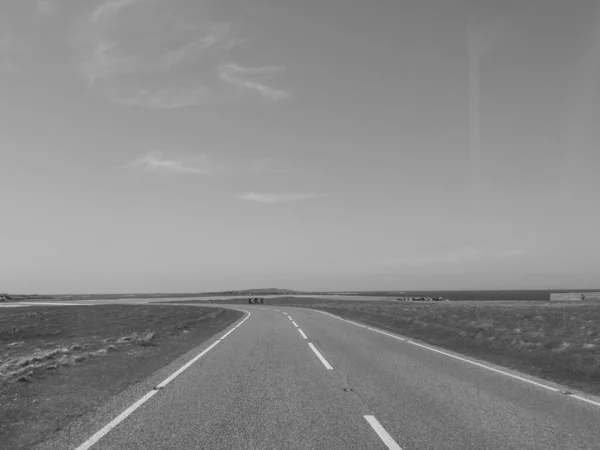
{"x": 63, "y": 361}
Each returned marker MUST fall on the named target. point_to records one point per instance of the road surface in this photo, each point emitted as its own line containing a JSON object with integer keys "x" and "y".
{"x": 293, "y": 378}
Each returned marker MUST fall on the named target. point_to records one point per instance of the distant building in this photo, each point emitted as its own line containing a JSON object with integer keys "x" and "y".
{"x": 574, "y": 296}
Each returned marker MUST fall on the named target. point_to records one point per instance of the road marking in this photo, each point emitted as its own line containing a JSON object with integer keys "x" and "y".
{"x": 302, "y": 333}
{"x": 289, "y": 317}
{"x": 339, "y": 318}
{"x": 586, "y": 400}
{"x": 295, "y": 324}
{"x": 97, "y": 436}
{"x": 550, "y": 388}
{"x": 226, "y": 334}
{"x": 193, "y": 360}
{"x": 387, "y": 334}
{"x": 323, "y": 360}
{"x": 483, "y": 366}
{"x": 383, "y": 435}
{"x": 54, "y": 304}
{"x": 185, "y": 366}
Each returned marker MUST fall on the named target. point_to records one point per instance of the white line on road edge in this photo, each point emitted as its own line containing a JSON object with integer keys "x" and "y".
{"x": 227, "y": 334}
{"x": 97, "y": 436}
{"x": 550, "y": 388}
{"x": 54, "y": 304}
{"x": 387, "y": 334}
{"x": 585, "y": 400}
{"x": 323, "y": 360}
{"x": 302, "y": 333}
{"x": 196, "y": 358}
{"x": 383, "y": 435}
{"x": 185, "y": 366}
{"x": 295, "y": 324}
{"x": 483, "y": 366}
{"x": 339, "y": 318}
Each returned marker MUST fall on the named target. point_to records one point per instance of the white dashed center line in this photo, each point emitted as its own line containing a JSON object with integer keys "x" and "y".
{"x": 323, "y": 360}
{"x": 302, "y": 333}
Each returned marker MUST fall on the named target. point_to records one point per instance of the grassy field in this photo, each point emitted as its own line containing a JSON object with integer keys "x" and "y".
{"x": 465, "y": 295}
{"x": 59, "y": 362}
{"x": 555, "y": 341}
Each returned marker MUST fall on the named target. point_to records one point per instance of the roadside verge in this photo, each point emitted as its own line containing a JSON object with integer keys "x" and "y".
{"x": 60, "y": 363}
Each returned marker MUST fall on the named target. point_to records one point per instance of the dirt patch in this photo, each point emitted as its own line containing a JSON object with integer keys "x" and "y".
{"x": 59, "y": 362}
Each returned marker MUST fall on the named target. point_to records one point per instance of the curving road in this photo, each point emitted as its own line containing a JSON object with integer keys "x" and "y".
{"x": 293, "y": 378}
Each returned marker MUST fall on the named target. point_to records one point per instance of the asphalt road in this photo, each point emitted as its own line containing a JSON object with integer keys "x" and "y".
{"x": 262, "y": 386}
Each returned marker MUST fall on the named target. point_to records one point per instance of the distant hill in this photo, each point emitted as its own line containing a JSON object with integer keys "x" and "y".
{"x": 264, "y": 291}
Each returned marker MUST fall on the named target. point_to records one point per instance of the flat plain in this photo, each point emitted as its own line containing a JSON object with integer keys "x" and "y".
{"x": 60, "y": 362}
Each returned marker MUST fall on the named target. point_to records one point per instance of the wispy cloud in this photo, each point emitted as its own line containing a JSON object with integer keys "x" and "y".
{"x": 202, "y": 164}
{"x": 165, "y": 98}
{"x": 110, "y": 60}
{"x": 46, "y": 7}
{"x": 456, "y": 256}
{"x": 172, "y": 61}
{"x": 278, "y": 197}
{"x": 157, "y": 162}
{"x": 238, "y": 76}
{"x": 111, "y": 8}
{"x": 216, "y": 37}
{"x": 107, "y": 60}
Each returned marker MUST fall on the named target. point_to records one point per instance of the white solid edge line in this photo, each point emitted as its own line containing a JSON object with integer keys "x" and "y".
{"x": 185, "y": 366}
{"x": 226, "y": 334}
{"x": 96, "y": 437}
{"x": 54, "y": 304}
{"x": 323, "y": 360}
{"x": 113, "y": 423}
{"x": 550, "y": 388}
{"x": 484, "y": 366}
{"x": 583, "y": 399}
{"x": 302, "y": 333}
{"x": 383, "y": 435}
{"x": 387, "y": 334}
{"x": 196, "y": 358}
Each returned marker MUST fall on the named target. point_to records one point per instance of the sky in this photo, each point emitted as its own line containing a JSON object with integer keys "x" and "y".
{"x": 192, "y": 145}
